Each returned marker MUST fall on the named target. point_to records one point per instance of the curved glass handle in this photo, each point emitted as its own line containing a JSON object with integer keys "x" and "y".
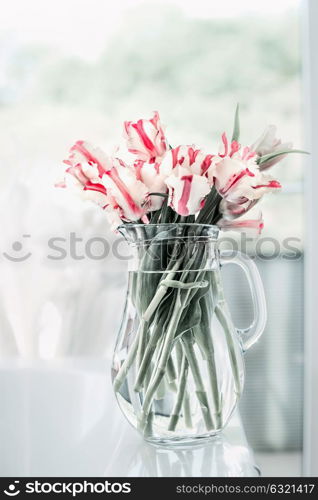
{"x": 252, "y": 333}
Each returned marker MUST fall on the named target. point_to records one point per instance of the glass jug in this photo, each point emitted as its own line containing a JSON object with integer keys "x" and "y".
{"x": 178, "y": 365}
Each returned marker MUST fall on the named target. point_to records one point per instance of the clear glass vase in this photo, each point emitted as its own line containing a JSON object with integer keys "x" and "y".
{"x": 178, "y": 367}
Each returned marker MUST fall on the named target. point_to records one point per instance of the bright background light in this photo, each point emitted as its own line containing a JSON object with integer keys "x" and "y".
{"x": 81, "y": 27}
{"x": 75, "y": 69}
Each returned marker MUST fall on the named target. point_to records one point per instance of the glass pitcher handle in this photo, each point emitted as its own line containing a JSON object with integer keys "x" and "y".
{"x": 252, "y": 333}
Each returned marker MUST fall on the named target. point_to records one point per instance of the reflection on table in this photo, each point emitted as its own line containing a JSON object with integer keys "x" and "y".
{"x": 61, "y": 419}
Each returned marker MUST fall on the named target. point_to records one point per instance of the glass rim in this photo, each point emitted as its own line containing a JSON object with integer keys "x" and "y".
{"x": 128, "y": 230}
{"x": 172, "y": 224}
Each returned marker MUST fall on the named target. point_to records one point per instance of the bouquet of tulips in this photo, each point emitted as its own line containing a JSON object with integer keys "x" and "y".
{"x": 150, "y": 184}
{"x": 160, "y": 183}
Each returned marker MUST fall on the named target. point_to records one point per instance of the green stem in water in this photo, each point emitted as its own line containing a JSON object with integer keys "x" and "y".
{"x": 228, "y": 328}
{"x": 186, "y": 399}
{"x": 148, "y": 429}
{"x": 162, "y": 362}
{"x": 152, "y": 344}
{"x": 142, "y": 341}
{"x": 203, "y": 336}
{"x": 122, "y": 373}
{"x": 182, "y": 381}
{"x": 224, "y": 318}
{"x": 201, "y": 394}
{"x": 171, "y": 371}
{"x": 187, "y": 410}
{"x": 189, "y": 289}
{"x": 181, "y": 301}
{"x": 160, "y": 293}
{"x": 165, "y": 385}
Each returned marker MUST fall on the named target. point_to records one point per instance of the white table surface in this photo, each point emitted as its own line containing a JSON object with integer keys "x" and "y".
{"x": 60, "y": 418}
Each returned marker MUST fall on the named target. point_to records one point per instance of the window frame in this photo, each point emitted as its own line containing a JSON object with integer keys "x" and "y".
{"x": 310, "y": 72}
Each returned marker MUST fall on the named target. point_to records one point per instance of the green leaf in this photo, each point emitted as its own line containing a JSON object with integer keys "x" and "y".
{"x": 164, "y": 211}
{"x": 271, "y": 156}
{"x": 236, "y": 129}
{"x": 155, "y": 216}
{"x": 163, "y": 195}
{"x": 190, "y": 318}
{"x": 211, "y": 204}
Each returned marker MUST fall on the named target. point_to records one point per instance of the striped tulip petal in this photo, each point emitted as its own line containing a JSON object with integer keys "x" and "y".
{"x": 146, "y": 139}
{"x": 196, "y": 160}
{"x": 89, "y": 190}
{"x": 150, "y": 175}
{"x": 186, "y": 191}
{"x": 228, "y": 174}
{"x": 83, "y": 152}
{"x": 253, "y": 225}
{"x": 129, "y": 193}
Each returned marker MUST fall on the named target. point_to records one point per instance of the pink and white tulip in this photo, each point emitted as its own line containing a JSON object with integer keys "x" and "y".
{"x": 86, "y": 166}
{"x": 253, "y": 225}
{"x": 186, "y": 191}
{"x": 229, "y": 175}
{"x": 91, "y": 191}
{"x": 188, "y": 157}
{"x": 149, "y": 174}
{"x": 235, "y": 180}
{"x": 84, "y": 153}
{"x": 106, "y": 181}
{"x": 230, "y": 165}
{"x": 146, "y": 139}
{"x": 127, "y": 194}
{"x": 184, "y": 170}
{"x": 231, "y": 210}
{"x": 267, "y": 143}
{"x": 238, "y": 179}
{"x": 234, "y": 150}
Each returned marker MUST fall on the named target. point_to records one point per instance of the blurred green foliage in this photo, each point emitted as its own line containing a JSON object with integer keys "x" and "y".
{"x": 194, "y": 71}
